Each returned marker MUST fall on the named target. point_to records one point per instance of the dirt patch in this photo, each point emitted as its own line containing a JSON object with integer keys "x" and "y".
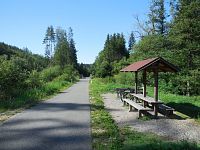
{"x": 170, "y": 128}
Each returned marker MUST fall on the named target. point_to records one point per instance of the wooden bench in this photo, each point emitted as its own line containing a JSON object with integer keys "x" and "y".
{"x": 165, "y": 110}
{"x": 124, "y": 92}
{"x": 132, "y": 104}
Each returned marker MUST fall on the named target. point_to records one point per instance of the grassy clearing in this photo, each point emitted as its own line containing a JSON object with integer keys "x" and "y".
{"x": 107, "y": 135}
{"x": 189, "y": 107}
{"x": 30, "y": 97}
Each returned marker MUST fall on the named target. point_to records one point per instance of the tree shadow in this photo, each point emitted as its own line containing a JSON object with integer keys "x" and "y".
{"x": 41, "y": 134}
{"x": 48, "y": 126}
{"x": 54, "y": 107}
{"x": 186, "y": 108}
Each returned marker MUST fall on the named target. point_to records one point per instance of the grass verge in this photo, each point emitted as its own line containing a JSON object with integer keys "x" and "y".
{"x": 105, "y": 132}
{"x": 188, "y": 107}
{"x": 31, "y": 97}
{"x": 107, "y": 135}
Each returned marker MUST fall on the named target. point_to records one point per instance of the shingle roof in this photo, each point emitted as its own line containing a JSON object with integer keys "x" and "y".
{"x": 150, "y": 64}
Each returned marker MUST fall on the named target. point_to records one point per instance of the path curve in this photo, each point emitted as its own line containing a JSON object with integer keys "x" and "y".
{"x": 60, "y": 123}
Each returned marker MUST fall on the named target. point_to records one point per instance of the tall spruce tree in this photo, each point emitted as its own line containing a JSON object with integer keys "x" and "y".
{"x": 114, "y": 50}
{"x": 185, "y": 39}
{"x": 72, "y": 49}
{"x": 61, "y": 56}
{"x": 131, "y": 42}
{"x": 49, "y": 42}
{"x": 174, "y": 8}
{"x": 157, "y": 17}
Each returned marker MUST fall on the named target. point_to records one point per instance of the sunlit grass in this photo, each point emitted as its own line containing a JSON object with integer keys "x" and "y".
{"x": 107, "y": 135}
{"x": 185, "y": 105}
{"x": 30, "y": 97}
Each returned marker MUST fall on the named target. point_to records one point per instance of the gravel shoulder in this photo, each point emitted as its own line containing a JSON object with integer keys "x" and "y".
{"x": 172, "y": 129}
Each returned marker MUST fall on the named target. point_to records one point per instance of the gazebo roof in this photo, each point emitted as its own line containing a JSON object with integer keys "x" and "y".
{"x": 150, "y": 64}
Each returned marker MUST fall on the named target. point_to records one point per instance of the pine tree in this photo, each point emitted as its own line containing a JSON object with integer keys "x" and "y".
{"x": 157, "y": 17}
{"x": 174, "y": 8}
{"x": 72, "y": 49}
{"x": 61, "y": 56}
{"x": 114, "y": 50}
{"x": 131, "y": 42}
{"x": 49, "y": 42}
{"x": 185, "y": 45}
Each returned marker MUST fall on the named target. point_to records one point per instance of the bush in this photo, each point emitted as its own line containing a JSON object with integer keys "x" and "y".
{"x": 70, "y": 74}
{"x": 34, "y": 80}
{"x": 49, "y": 74}
{"x": 125, "y": 78}
{"x": 13, "y": 73}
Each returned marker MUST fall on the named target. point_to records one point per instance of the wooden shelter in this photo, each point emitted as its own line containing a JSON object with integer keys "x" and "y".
{"x": 154, "y": 65}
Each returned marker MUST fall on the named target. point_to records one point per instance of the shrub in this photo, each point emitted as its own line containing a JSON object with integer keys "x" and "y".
{"x": 49, "y": 74}
{"x": 13, "y": 73}
{"x": 34, "y": 80}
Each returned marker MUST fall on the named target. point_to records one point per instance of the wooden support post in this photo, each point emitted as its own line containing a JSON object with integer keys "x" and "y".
{"x": 156, "y": 91}
{"x": 136, "y": 82}
{"x": 124, "y": 103}
{"x": 130, "y": 108}
{"x": 144, "y": 83}
{"x": 156, "y": 85}
{"x": 140, "y": 114}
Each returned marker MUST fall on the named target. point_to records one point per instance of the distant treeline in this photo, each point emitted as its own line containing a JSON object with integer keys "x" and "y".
{"x": 176, "y": 39}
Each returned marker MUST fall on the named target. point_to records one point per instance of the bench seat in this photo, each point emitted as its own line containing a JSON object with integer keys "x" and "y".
{"x": 140, "y": 108}
{"x": 165, "y": 110}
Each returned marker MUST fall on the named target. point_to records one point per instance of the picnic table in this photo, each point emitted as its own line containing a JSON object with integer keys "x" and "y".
{"x": 146, "y": 101}
{"x": 158, "y": 106}
{"x": 124, "y": 92}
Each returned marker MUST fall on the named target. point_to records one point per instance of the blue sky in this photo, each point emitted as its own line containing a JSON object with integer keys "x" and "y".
{"x": 24, "y": 22}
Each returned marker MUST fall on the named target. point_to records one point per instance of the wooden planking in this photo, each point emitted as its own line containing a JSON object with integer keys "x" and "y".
{"x": 136, "y": 105}
{"x": 147, "y": 98}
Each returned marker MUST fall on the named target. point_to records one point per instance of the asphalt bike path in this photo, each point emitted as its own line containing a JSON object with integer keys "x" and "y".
{"x": 60, "y": 123}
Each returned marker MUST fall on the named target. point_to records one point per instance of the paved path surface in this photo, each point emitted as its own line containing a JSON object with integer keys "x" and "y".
{"x": 61, "y": 123}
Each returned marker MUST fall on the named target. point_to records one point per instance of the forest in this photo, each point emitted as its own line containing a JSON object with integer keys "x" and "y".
{"x": 172, "y": 35}
{"x": 26, "y": 78}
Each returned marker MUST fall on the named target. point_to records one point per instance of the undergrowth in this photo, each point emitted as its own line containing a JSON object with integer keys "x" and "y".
{"x": 29, "y": 97}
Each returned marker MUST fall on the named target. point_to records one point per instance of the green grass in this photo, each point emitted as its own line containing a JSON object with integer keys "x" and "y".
{"x": 107, "y": 135}
{"x": 134, "y": 140}
{"x": 105, "y": 132}
{"x": 30, "y": 97}
{"x": 188, "y": 106}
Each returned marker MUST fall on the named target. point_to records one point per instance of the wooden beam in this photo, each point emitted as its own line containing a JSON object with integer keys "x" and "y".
{"x": 156, "y": 84}
{"x": 156, "y": 91}
{"x": 136, "y": 82}
{"x": 144, "y": 83}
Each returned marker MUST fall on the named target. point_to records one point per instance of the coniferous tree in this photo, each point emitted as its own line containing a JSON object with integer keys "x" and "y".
{"x": 114, "y": 50}
{"x": 49, "y": 42}
{"x": 185, "y": 38}
{"x": 72, "y": 49}
{"x": 157, "y": 17}
{"x": 131, "y": 42}
{"x": 61, "y": 56}
{"x": 174, "y": 8}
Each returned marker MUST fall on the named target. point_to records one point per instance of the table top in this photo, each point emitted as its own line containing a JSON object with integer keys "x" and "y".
{"x": 147, "y": 98}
